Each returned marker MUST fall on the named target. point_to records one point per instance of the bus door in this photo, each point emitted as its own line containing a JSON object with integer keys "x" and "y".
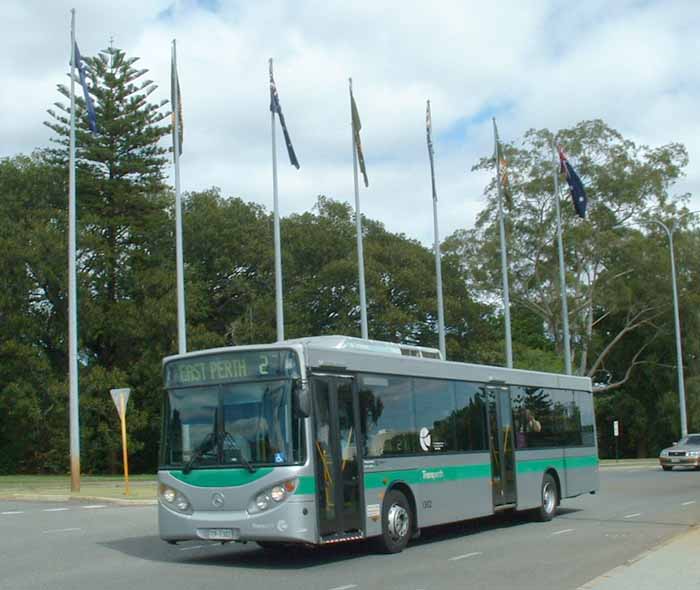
{"x": 501, "y": 445}
{"x": 338, "y": 468}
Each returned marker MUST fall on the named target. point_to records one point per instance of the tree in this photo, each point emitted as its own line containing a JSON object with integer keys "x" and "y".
{"x": 623, "y": 181}
{"x": 124, "y": 241}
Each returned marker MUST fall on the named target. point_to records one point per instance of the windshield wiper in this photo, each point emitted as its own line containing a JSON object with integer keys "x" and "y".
{"x": 206, "y": 445}
{"x": 227, "y": 436}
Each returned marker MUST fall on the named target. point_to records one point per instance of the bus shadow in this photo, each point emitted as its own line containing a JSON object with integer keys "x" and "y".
{"x": 244, "y": 556}
{"x": 251, "y": 556}
{"x": 465, "y": 528}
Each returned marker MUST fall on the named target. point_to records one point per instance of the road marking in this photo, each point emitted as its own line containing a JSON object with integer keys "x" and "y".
{"x": 95, "y": 506}
{"x": 458, "y": 557}
{"x": 564, "y": 531}
{"x": 633, "y": 515}
{"x": 683, "y": 504}
{"x": 54, "y": 509}
{"x": 61, "y": 530}
{"x": 191, "y": 547}
{"x": 13, "y": 512}
{"x": 344, "y": 587}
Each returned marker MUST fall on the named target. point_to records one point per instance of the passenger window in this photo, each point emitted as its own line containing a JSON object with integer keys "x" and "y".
{"x": 387, "y": 415}
{"x": 470, "y": 417}
{"x": 435, "y": 415}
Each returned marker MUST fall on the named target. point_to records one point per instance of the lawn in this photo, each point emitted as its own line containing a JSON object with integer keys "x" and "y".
{"x": 142, "y": 487}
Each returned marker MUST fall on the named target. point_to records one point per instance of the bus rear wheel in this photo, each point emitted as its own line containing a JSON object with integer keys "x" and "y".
{"x": 397, "y": 523}
{"x": 550, "y": 499}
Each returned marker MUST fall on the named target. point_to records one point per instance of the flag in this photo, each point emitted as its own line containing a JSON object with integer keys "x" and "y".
{"x": 275, "y": 107}
{"x": 578, "y": 194}
{"x": 356, "y": 126}
{"x": 176, "y": 97}
{"x": 431, "y": 153}
{"x": 429, "y": 129}
{"x": 502, "y": 166}
{"x": 80, "y": 64}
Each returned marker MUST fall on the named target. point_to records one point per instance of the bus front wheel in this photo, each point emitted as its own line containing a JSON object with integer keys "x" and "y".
{"x": 397, "y": 522}
{"x": 549, "y": 499}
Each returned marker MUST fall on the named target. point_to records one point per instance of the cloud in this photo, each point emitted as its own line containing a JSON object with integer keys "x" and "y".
{"x": 536, "y": 64}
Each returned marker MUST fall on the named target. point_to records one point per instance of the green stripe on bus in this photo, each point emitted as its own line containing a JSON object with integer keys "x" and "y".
{"x": 530, "y": 465}
{"x": 307, "y": 485}
{"x": 427, "y": 475}
{"x": 220, "y": 478}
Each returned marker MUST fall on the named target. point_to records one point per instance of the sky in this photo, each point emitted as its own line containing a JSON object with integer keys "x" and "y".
{"x": 536, "y": 64}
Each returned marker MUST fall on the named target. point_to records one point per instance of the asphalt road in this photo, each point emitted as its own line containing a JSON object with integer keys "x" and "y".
{"x": 71, "y": 546}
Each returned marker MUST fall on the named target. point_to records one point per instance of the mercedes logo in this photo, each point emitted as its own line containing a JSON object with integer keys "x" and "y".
{"x": 217, "y": 499}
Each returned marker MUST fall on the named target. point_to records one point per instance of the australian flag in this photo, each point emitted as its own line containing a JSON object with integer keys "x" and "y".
{"x": 578, "y": 194}
{"x": 80, "y": 64}
{"x": 275, "y": 107}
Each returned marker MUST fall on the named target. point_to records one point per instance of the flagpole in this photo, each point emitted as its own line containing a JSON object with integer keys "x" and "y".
{"x": 358, "y": 225}
{"x": 438, "y": 263}
{"x": 562, "y": 273}
{"x": 181, "y": 326}
{"x": 74, "y": 414}
{"x": 504, "y": 255}
{"x": 279, "y": 304}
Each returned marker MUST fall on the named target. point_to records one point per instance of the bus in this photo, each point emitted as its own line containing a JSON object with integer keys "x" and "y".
{"x": 329, "y": 439}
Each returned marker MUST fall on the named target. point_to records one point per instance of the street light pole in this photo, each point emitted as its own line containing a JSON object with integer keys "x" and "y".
{"x": 676, "y": 321}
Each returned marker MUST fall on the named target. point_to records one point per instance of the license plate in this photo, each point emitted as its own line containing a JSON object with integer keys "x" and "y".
{"x": 221, "y": 534}
{"x": 675, "y": 460}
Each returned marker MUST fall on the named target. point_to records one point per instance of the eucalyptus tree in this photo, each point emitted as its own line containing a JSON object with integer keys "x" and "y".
{"x": 608, "y": 294}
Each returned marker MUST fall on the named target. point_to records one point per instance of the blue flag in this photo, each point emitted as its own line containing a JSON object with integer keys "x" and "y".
{"x": 80, "y": 64}
{"x": 578, "y": 194}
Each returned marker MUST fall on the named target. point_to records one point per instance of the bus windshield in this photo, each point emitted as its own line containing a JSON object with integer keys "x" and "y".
{"x": 242, "y": 424}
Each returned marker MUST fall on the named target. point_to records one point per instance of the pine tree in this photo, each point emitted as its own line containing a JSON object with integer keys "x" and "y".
{"x": 125, "y": 261}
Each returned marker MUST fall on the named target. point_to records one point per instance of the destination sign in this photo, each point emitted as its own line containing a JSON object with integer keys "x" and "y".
{"x": 231, "y": 366}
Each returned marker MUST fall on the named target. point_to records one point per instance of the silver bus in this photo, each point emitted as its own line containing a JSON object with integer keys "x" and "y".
{"x": 330, "y": 439}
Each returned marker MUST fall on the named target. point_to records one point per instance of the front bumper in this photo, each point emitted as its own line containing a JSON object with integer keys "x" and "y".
{"x": 291, "y": 522}
{"x": 680, "y": 461}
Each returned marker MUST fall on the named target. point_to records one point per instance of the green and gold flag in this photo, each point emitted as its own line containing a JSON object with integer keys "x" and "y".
{"x": 176, "y": 103}
{"x": 356, "y": 126}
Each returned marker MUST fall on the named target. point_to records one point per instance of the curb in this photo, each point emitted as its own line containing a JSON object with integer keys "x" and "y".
{"x": 618, "y": 570}
{"x": 71, "y": 497}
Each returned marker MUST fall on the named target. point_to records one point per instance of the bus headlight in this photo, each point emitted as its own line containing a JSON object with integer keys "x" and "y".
{"x": 174, "y": 499}
{"x": 168, "y": 494}
{"x": 277, "y": 493}
{"x": 262, "y": 502}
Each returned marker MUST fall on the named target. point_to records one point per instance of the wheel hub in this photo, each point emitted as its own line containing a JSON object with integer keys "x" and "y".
{"x": 549, "y": 496}
{"x": 398, "y": 521}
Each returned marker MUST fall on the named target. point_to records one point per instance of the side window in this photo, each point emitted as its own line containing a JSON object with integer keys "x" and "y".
{"x": 470, "y": 418}
{"x": 387, "y": 415}
{"x": 435, "y": 409}
{"x": 532, "y": 417}
{"x": 567, "y": 417}
{"x": 585, "y": 404}
{"x": 545, "y": 417}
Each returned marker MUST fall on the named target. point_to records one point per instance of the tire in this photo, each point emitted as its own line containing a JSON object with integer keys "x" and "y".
{"x": 666, "y": 467}
{"x": 549, "y": 499}
{"x": 397, "y": 523}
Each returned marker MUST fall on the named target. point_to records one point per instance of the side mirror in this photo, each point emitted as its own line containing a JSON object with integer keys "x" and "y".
{"x": 302, "y": 398}
{"x": 675, "y": 444}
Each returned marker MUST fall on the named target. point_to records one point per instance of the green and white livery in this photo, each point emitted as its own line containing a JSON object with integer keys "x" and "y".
{"x": 329, "y": 439}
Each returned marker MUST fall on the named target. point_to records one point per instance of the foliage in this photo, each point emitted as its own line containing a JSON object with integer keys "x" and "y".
{"x": 617, "y": 279}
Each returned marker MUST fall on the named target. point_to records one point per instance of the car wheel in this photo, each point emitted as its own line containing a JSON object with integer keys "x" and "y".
{"x": 550, "y": 499}
{"x": 666, "y": 467}
{"x": 397, "y": 523}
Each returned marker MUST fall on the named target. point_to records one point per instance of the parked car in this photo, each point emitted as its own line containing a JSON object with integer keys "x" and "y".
{"x": 684, "y": 453}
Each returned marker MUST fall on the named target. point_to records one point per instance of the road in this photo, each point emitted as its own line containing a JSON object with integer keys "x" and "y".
{"x": 69, "y": 546}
